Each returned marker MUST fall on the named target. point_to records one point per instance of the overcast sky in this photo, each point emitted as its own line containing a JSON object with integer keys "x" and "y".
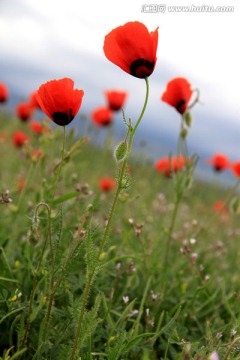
{"x": 54, "y": 38}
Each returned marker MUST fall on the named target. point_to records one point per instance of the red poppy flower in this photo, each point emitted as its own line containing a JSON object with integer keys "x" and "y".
{"x": 3, "y": 93}
{"x": 163, "y": 166}
{"x": 219, "y": 162}
{"x": 19, "y": 138}
{"x": 102, "y": 116}
{"x": 107, "y": 184}
{"x": 220, "y": 207}
{"x": 36, "y": 127}
{"x": 59, "y": 101}
{"x": 133, "y": 48}
{"x": 116, "y": 99}
{"x": 178, "y": 94}
{"x": 24, "y": 111}
{"x": 168, "y": 165}
{"x": 236, "y": 168}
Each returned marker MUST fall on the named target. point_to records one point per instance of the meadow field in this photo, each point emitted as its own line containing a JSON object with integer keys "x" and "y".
{"x": 105, "y": 254}
{"x": 139, "y": 306}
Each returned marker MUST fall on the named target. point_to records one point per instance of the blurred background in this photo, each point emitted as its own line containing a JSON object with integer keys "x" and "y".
{"x": 51, "y": 39}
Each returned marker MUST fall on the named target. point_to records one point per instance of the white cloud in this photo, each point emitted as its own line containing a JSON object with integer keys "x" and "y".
{"x": 201, "y": 46}
{"x": 53, "y": 34}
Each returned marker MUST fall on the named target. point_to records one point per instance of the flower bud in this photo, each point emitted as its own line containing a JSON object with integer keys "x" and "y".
{"x": 121, "y": 151}
{"x": 188, "y": 118}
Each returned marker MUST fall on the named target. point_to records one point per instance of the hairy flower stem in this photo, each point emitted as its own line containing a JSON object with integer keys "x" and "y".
{"x": 48, "y": 237}
{"x": 60, "y": 165}
{"x": 90, "y": 278}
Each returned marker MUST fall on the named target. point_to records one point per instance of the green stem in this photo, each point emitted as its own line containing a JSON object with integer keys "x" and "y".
{"x": 52, "y": 290}
{"x": 169, "y": 242}
{"x": 59, "y": 168}
{"x": 181, "y": 149}
{"x": 35, "y": 217}
{"x": 107, "y": 229}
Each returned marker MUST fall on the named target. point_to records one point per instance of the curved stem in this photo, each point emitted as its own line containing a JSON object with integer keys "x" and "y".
{"x": 107, "y": 229}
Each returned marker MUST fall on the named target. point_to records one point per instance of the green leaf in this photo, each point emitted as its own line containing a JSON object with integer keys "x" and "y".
{"x": 65, "y": 197}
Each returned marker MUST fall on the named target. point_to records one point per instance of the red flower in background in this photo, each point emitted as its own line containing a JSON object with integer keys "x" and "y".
{"x": 236, "y": 168}
{"x": 107, "y": 184}
{"x": 102, "y": 116}
{"x": 169, "y": 165}
{"x": 59, "y": 101}
{"x": 178, "y": 94}
{"x": 24, "y": 111}
{"x": 36, "y": 127}
{"x": 133, "y": 48}
{"x": 115, "y": 99}
{"x": 219, "y": 206}
{"x": 19, "y": 138}
{"x": 219, "y": 162}
{"x": 4, "y": 93}
{"x": 163, "y": 166}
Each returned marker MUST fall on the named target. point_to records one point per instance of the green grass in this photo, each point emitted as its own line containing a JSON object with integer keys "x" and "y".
{"x": 186, "y": 312}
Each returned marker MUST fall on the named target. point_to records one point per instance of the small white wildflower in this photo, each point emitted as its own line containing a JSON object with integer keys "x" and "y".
{"x": 154, "y": 296}
{"x": 192, "y": 241}
{"x": 214, "y": 356}
{"x": 135, "y": 312}
{"x": 126, "y": 299}
{"x": 201, "y": 267}
{"x": 118, "y": 265}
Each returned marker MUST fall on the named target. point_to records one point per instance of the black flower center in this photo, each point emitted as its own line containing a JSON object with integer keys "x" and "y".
{"x": 181, "y": 106}
{"x": 218, "y": 168}
{"x": 61, "y": 118}
{"x": 141, "y": 68}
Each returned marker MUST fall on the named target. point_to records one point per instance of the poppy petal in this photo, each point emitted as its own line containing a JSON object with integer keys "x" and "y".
{"x": 132, "y": 48}
{"x": 59, "y": 100}
{"x": 178, "y": 94}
